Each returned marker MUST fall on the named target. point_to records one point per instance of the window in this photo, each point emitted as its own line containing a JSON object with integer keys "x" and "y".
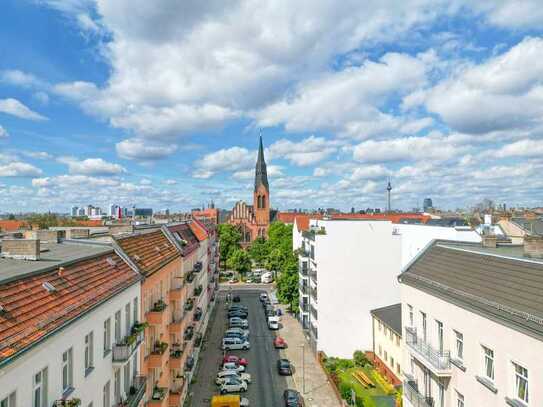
{"x": 89, "y": 351}
{"x": 398, "y": 368}
{"x": 380, "y": 350}
{"x": 118, "y": 327}
{"x": 39, "y": 393}
{"x": 410, "y": 308}
{"x": 488, "y": 363}
{"x": 127, "y": 378}
{"x": 397, "y": 340}
{"x": 441, "y": 395}
{"x": 459, "y": 400}
{"x": 439, "y": 335}
{"x": 391, "y": 334}
{"x": 107, "y": 336}
{"x": 135, "y": 309}
{"x": 423, "y": 322}
{"x": 459, "y": 345}
{"x": 386, "y": 356}
{"x": 392, "y": 362}
{"x": 9, "y": 401}
{"x": 521, "y": 382}
{"x": 117, "y": 386}
{"x": 127, "y": 318}
{"x": 380, "y": 326}
{"x": 67, "y": 370}
{"x": 135, "y": 365}
{"x": 106, "y": 397}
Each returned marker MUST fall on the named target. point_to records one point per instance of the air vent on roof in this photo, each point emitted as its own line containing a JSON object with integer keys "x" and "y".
{"x": 49, "y": 287}
{"x": 157, "y": 248}
{"x": 136, "y": 257}
{"x": 111, "y": 262}
{"x": 166, "y": 245}
{"x": 2, "y": 309}
{"x": 60, "y": 271}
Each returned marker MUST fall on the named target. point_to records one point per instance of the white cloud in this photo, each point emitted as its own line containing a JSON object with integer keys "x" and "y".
{"x": 273, "y": 171}
{"x": 369, "y": 172}
{"x": 91, "y": 166}
{"x": 19, "y": 78}
{"x": 19, "y": 169}
{"x": 306, "y": 152}
{"x": 14, "y": 107}
{"x": 71, "y": 181}
{"x": 143, "y": 150}
{"x": 228, "y": 159}
{"x": 3, "y": 132}
{"x": 521, "y": 148}
{"x": 520, "y": 15}
{"x": 146, "y": 181}
{"x": 170, "y": 182}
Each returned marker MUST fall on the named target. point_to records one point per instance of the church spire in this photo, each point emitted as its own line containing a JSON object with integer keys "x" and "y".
{"x": 261, "y": 174}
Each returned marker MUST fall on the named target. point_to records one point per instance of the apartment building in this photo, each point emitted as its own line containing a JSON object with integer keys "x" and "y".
{"x": 69, "y": 325}
{"x": 349, "y": 267}
{"x": 473, "y": 325}
{"x": 163, "y": 307}
{"x": 386, "y": 352}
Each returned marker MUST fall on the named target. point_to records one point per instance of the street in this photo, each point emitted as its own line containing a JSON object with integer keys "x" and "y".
{"x": 267, "y": 386}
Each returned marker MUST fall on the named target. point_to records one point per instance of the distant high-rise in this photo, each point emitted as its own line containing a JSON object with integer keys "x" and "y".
{"x": 74, "y": 211}
{"x": 427, "y": 204}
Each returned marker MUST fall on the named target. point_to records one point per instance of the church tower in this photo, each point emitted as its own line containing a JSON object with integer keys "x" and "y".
{"x": 261, "y": 196}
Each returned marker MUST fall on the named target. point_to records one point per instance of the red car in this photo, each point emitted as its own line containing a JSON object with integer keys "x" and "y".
{"x": 279, "y": 343}
{"x": 235, "y": 359}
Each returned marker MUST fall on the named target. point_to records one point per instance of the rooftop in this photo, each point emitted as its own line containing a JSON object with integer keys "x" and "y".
{"x": 499, "y": 283}
{"x": 183, "y": 234}
{"x": 391, "y": 316}
{"x": 51, "y": 255}
{"x": 38, "y": 305}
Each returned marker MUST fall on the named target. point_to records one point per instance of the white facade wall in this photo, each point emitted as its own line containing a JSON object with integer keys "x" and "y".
{"x": 388, "y": 347}
{"x": 509, "y": 345}
{"x": 19, "y": 375}
{"x": 416, "y": 237}
{"x": 297, "y": 237}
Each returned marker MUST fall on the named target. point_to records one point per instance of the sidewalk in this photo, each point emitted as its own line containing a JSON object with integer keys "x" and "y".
{"x": 318, "y": 391}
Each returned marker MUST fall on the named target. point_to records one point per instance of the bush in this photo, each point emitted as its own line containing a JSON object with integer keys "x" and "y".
{"x": 360, "y": 358}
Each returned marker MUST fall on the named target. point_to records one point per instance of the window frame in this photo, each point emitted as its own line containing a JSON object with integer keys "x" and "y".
{"x": 459, "y": 399}
{"x": 487, "y": 358}
{"x": 42, "y": 385}
{"x": 411, "y": 315}
{"x": 10, "y": 400}
{"x": 518, "y": 376}
{"x": 459, "y": 340}
{"x": 107, "y": 336}
{"x": 69, "y": 366}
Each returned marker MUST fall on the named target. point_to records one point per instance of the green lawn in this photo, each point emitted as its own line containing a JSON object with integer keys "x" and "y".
{"x": 380, "y": 389}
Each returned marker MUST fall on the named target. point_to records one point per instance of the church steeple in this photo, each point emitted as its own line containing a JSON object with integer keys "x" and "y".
{"x": 261, "y": 174}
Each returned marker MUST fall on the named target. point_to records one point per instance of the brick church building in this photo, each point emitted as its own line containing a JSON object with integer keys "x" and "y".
{"x": 254, "y": 220}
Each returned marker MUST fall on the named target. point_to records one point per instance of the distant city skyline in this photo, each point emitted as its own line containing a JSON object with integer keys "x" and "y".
{"x": 442, "y": 98}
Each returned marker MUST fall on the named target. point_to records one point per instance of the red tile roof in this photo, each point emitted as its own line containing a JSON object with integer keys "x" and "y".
{"x": 31, "y": 312}
{"x": 183, "y": 231}
{"x": 393, "y": 217}
{"x": 149, "y": 251}
{"x": 302, "y": 219}
{"x": 199, "y": 230}
{"x": 12, "y": 225}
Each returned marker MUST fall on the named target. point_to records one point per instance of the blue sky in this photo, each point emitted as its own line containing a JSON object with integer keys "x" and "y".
{"x": 160, "y": 104}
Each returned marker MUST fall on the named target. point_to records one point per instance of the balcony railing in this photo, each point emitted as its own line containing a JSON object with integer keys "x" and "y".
{"x": 189, "y": 304}
{"x": 304, "y": 271}
{"x": 190, "y": 277}
{"x": 198, "y": 290}
{"x": 137, "y": 390}
{"x": 314, "y": 294}
{"x": 305, "y": 307}
{"x": 438, "y": 362}
{"x": 314, "y": 331}
{"x": 314, "y": 313}
{"x": 313, "y": 275}
{"x": 416, "y": 399}
{"x": 304, "y": 289}
{"x": 125, "y": 349}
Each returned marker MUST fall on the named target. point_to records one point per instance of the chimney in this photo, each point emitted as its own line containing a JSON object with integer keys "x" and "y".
{"x": 61, "y": 271}
{"x": 21, "y": 249}
{"x": 489, "y": 241}
{"x": 45, "y": 236}
{"x": 533, "y": 246}
{"x": 77, "y": 233}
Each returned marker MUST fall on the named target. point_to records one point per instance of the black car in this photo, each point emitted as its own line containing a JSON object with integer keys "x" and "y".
{"x": 284, "y": 367}
{"x": 236, "y": 298}
{"x": 292, "y": 398}
{"x": 240, "y": 314}
{"x": 238, "y": 307}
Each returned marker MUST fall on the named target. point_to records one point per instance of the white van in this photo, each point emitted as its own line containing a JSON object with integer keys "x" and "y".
{"x": 266, "y": 278}
{"x": 235, "y": 344}
{"x": 273, "y": 322}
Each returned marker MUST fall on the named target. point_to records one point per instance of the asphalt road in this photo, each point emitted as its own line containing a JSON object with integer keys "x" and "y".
{"x": 266, "y": 389}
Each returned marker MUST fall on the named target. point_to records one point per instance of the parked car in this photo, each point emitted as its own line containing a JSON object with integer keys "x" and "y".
{"x": 225, "y": 374}
{"x": 229, "y": 400}
{"x": 233, "y": 281}
{"x": 238, "y": 313}
{"x": 233, "y": 366}
{"x": 266, "y": 278}
{"x": 273, "y": 322}
{"x": 284, "y": 367}
{"x": 292, "y": 398}
{"x": 236, "y": 322}
{"x": 236, "y": 307}
{"x": 244, "y": 332}
{"x": 235, "y": 335}
{"x": 236, "y": 298}
{"x": 235, "y": 359}
{"x": 233, "y": 385}
{"x": 279, "y": 343}
{"x": 235, "y": 344}
{"x": 263, "y": 296}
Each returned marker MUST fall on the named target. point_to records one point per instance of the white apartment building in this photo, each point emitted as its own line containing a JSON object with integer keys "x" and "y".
{"x": 473, "y": 326}
{"x": 66, "y": 328}
{"x": 387, "y": 341}
{"x": 349, "y": 267}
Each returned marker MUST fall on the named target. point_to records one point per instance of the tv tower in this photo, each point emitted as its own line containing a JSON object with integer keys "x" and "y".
{"x": 389, "y": 188}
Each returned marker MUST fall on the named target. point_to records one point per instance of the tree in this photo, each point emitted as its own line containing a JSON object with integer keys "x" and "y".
{"x": 259, "y": 251}
{"x": 239, "y": 261}
{"x": 360, "y": 358}
{"x": 229, "y": 236}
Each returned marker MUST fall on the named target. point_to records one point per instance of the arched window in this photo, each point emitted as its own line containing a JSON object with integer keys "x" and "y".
{"x": 263, "y": 201}
{"x": 259, "y": 201}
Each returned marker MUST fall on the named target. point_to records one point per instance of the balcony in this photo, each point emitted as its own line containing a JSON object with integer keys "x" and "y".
{"x": 438, "y": 362}
{"x": 175, "y": 398}
{"x": 197, "y": 267}
{"x": 197, "y": 291}
{"x": 416, "y": 399}
{"x": 176, "y": 325}
{"x": 304, "y": 270}
{"x": 159, "y": 397}
{"x": 176, "y": 293}
{"x": 158, "y": 356}
{"x": 313, "y": 275}
{"x": 189, "y": 305}
{"x": 176, "y": 355}
{"x": 157, "y": 314}
{"x": 198, "y": 340}
{"x": 314, "y": 313}
{"x": 189, "y": 333}
{"x": 137, "y": 390}
{"x": 314, "y": 331}
{"x": 304, "y": 289}
{"x": 197, "y": 314}
{"x": 190, "y": 277}
{"x": 123, "y": 351}
{"x": 314, "y": 294}
{"x": 304, "y": 306}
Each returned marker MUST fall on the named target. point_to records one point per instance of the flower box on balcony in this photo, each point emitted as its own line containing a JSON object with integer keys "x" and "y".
{"x": 198, "y": 290}
{"x": 190, "y": 277}
{"x": 160, "y": 347}
{"x": 67, "y": 403}
{"x": 159, "y": 306}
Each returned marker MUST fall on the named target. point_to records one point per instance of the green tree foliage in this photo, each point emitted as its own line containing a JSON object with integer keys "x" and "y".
{"x": 259, "y": 251}
{"x": 229, "y": 236}
{"x": 360, "y": 358}
{"x": 47, "y": 220}
{"x": 239, "y": 261}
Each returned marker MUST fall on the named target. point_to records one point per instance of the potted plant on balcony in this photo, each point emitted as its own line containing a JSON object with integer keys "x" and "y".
{"x": 158, "y": 393}
{"x": 74, "y": 402}
{"x": 139, "y": 327}
{"x": 159, "y": 306}
{"x": 160, "y": 347}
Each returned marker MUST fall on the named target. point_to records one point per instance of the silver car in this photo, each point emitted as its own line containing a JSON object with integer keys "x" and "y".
{"x": 226, "y": 374}
{"x": 233, "y": 385}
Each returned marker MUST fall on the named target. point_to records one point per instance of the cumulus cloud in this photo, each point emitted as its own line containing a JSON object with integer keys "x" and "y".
{"x": 228, "y": 159}
{"x": 15, "y": 108}
{"x": 306, "y": 152}
{"x": 170, "y": 182}
{"x": 19, "y": 169}
{"x": 521, "y": 148}
{"x": 91, "y": 166}
{"x": 273, "y": 171}
{"x": 143, "y": 150}
{"x": 19, "y": 78}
